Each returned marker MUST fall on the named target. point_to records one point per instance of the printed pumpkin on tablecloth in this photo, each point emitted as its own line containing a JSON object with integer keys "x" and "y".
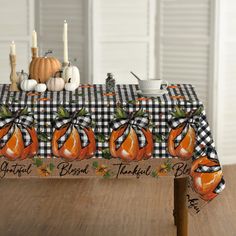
{"x": 73, "y": 137}
{"x": 18, "y": 138}
{"x": 207, "y": 176}
{"x": 131, "y": 138}
{"x": 182, "y": 137}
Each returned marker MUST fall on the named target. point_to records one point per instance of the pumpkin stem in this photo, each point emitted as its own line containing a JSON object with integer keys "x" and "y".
{"x": 57, "y": 72}
{"x": 39, "y": 81}
{"x": 69, "y": 80}
{"x": 22, "y": 71}
{"x": 48, "y": 52}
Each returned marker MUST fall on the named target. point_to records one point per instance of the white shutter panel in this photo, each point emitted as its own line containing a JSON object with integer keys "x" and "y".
{"x": 184, "y": 52}
{"x": 51, "y": 16}
{"x": 123, "y": 39}
{"x": 16, "y": 23}
{"x": 227, "y": 82}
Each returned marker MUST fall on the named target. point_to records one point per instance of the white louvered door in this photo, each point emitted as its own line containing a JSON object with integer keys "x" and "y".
{"x": 50, "y": 18}
{"x": 16, "y": 23}
{"x": 184, "y": 54}
{"x": 123, "y": 39}
{"x": 226, "y": 102}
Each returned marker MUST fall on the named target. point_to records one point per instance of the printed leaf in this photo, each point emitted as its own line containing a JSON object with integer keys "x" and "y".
{"x": 51, "y": 167}
{"x": 107, "y": 175}
{"x": 132, "y": 102}
{"x": 159, "y": 138}
{"x": 62, "y": 112}
{"x": 24, "y": 111}
{"x": 154, "y": 174}
{"x": 82, "y": 112}
{"x": 178, "y": 112}
{"x": 38, "y": 162}
{"x": 199, "y": 111}
{"x": 120, "y": 113}
{"x": 101, "y": 138}
{"x": 43, "y": 137}
{"x": 139, "y": 113}
{"x": 95, "y": 164}
{"x": 106, "y": 153}
{"x": 168, "y": 165}
{"x": 5, "y": 112}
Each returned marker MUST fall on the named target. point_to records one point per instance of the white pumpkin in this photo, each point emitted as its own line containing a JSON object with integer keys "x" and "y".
{"x": 21, "y": 76}
{"x": 71, "y": 72}
{"x": 28, "y": 84}
{"x": 55, "y": 84}
{"x": 40, "y": 87}
{"x": 70, "y": 86}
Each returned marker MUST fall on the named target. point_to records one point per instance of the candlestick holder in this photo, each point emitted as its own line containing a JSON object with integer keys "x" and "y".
{"x": 13, "y": 75}
{"x": 34, "y": 52}
{"x": 64, "y": 64}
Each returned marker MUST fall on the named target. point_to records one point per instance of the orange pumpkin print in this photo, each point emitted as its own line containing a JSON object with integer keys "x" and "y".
{"x": 130, "y": 148}
{"x": 204, "y": 183}
{"x": 15, "y": 148}
{"x": 72, "y": 148}
{"x": 186, "y": 147}
{"x": 183, "y": 131}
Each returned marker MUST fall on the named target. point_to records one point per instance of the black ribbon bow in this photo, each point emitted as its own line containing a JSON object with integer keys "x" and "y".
{"x": 78, "y": 122}
{"x": 20, "y": 121}
{"x": 191, "y": 120}
{"x": 135, "y": 122}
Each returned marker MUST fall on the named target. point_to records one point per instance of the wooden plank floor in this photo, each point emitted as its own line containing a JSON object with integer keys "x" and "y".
{"x": 107, "y": 207}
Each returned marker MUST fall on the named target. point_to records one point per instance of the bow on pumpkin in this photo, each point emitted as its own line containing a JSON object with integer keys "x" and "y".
{"x": 20, "y": 121}
{"x": 210, "y": 152}
{"x": 137, "y": 123}
{"x": 78, "y": 122}
{"x": 193, "y": 119}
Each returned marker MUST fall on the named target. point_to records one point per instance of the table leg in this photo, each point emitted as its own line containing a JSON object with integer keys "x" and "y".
{"x": 180, "y": 207}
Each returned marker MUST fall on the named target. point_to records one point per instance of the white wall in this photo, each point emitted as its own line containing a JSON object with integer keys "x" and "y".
{"x": 16, "y": 23}
{"x": 226, "y": 141}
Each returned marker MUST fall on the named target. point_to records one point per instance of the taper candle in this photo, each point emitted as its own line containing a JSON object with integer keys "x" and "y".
{"x": 34, "y": 39}
{"x": 13, "y": 48}
{"x": 65, "y": 40}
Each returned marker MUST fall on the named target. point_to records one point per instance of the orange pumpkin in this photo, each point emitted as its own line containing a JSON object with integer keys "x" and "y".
{"x": 72, "y": 148}
{"x": 129, "y": 149}
{"x": 205, "y": 183}
{"x": 14, "y": 148}
{"x": 186, "y": 147}
{"x": 42, "y": 68}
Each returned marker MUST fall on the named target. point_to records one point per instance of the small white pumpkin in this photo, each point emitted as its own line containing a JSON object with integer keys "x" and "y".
{"x": 40, "y": 87}
{"x": 21, "y": 76}
{"x": 71, "y": 72}
{"x": 55, "y": 84}
{"x": 70, "y": 86}
{"x": 28, "y": 84}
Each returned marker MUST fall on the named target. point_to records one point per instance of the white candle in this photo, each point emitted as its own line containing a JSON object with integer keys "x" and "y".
{"x": 13, "y": 48}
{"x": 34, "y": 39}
{"x": 65, "y": 40}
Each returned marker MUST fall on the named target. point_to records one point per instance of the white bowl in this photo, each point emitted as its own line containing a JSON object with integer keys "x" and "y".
{"x": 151, "y": 84}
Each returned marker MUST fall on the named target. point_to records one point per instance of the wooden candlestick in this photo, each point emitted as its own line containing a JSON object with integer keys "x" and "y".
{"x": 34, "y": 52}
{"x": 13, "y": 75}
{"x": 64, "y": 64}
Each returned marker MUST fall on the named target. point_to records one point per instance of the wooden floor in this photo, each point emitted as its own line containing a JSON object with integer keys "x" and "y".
{"x": 107, "y": 208}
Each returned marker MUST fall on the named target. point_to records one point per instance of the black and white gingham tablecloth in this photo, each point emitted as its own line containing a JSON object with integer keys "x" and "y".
{"x": 102, "y": 110}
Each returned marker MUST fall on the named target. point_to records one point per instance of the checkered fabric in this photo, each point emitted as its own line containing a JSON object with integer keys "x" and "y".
{"x": 208, "y": 169}
{"x": 220, "y": 187}
{"x": 102, "y": 107}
